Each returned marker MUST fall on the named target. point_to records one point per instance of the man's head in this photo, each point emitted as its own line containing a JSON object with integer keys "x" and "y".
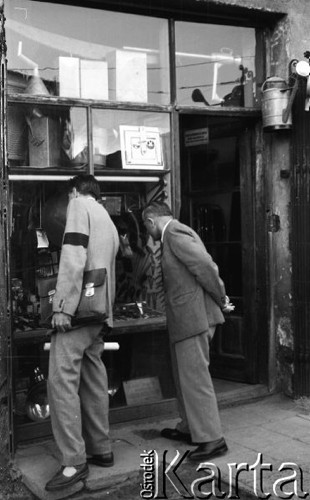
{"x": 85, "y": 185}
{"x": 155, "y": 215}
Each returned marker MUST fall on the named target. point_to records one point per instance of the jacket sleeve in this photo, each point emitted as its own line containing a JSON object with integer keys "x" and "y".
{"x": 192, "y": 253}
{"x": 72, "y": 259}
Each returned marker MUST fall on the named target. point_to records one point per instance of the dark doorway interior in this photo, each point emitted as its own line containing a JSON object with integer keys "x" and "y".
{"x": 217, "y": 200}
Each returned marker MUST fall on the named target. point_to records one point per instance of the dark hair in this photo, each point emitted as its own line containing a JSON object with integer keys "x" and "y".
{"x": 157, "y": 208}
{"x": 85, "y": 184}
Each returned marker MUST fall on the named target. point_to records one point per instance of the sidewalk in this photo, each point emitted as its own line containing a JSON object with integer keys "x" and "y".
{"x": 261, "y": 435}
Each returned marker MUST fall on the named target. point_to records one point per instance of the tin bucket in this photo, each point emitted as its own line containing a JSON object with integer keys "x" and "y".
{"x": 275, "y": 98}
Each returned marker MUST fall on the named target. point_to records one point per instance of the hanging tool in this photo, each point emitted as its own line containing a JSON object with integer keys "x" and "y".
{"x": 286, "y": 112}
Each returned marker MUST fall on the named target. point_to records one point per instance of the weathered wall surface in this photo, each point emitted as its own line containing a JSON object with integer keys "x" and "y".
{"x": 262, "y": 5}
{"x": 289, "y": 39}
{"x": 298, "y": 17}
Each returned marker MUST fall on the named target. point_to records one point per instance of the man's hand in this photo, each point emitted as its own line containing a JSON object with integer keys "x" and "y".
{"x": 228, "y": 306}
{"x": 61, "y": 321}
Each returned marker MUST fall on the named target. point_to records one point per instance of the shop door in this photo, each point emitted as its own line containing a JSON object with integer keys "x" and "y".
{"x": 217, "y": 201}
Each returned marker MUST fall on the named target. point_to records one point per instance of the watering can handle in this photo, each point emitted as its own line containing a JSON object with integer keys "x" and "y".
{"x": 281, "y": 89}
{"x": 263, "y": 86}
{"x": 287, "y": 110}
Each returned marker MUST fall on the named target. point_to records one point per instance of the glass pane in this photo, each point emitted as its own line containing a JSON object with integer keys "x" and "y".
{"x": 36, "y": 235}
{"x": 211, "y": 188}
{"x": 114, "y": 131}
{"x": 47, "y": 138}
{"x": 215, "y": 65}
{"x": 78, "y": 52}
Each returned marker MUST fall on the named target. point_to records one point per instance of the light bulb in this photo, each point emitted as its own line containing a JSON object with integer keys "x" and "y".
{"x": 302, "y": 68}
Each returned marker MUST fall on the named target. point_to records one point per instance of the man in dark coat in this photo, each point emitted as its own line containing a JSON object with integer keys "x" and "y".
{"x": 195, "y": 300}
{"x": 77, "y": 380}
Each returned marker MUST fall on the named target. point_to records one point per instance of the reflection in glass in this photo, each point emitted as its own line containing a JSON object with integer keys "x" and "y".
{"x": 215, "y": 65}
{"x": 107, "y": 129}
{"x": 47, "y": 137}
{"x": 86, "y": 53}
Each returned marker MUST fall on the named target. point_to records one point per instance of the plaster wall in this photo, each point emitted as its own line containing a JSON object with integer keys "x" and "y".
{"x": 289, "y": 38}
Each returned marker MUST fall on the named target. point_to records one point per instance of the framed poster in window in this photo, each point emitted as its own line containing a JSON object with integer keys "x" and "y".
{"x": 141, "y": 147}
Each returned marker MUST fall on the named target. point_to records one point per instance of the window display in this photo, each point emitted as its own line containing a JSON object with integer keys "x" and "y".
{"x": 101, "y": 92}
{"x": 216, "y": 65}
{"x": 47, "y": 138}
{"x": 53, "y": 143}
{"x": 75, "y": 52}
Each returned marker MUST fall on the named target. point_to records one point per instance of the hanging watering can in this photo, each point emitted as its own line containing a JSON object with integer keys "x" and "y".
{"x": 275, "y": 103}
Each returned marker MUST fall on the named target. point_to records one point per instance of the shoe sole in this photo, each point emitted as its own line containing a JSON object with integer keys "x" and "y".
{"x": 83, "y": 475}
{"x": 100, "y": 464}
{"x": 179, "y": 439}
{"x": 217, "y": 453}
{"x": 182, "y": 441}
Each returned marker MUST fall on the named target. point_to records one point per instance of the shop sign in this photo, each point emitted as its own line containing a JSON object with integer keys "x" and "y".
{"x": 196, "y": 137}
{"x": 141, "y": 147}
{"x": 142, "y": 390}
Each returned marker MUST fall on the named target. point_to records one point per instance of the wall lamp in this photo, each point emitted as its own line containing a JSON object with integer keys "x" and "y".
{"x": 302, "y": 68}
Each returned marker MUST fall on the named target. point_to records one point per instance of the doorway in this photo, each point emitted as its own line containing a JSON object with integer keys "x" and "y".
{"x": 218, "y": 201}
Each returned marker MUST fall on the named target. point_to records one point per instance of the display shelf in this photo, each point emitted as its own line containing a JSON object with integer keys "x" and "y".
{"x": 32, "y": 174}
{"x": 121, "y": 326}
{"x": 30, "y": 99}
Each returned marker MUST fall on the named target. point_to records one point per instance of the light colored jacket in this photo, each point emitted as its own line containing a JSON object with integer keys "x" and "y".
{"x": 90, "y": 242}
{"x": 194, "y": 291}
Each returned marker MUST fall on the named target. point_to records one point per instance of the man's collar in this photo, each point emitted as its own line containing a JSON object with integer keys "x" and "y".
{"x": 164, "y": 229}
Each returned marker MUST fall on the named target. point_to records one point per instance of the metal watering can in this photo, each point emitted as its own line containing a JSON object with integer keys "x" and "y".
{"x": 276, "y": 104}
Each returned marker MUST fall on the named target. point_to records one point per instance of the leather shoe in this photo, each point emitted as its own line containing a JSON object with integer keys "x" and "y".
{"x": 104, "y": 460}
{"x": 205, "y": 451}
{"x": 60, "y": 481}
{"x": 176, "y": 435}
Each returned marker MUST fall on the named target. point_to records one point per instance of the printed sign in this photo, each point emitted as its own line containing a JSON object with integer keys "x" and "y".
{"x": 141, "y": 147}
{"x": 142, "y": 390}
{"x": 196, "y": 137}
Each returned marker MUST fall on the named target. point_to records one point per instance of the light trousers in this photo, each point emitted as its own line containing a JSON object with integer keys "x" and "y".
{"x": 197, "y": 401}
{"x": 78, "y": 394}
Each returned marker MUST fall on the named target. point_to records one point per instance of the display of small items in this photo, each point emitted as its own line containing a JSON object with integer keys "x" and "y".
{"x": 134, "y": 310}
{"x": 25, "y": 307}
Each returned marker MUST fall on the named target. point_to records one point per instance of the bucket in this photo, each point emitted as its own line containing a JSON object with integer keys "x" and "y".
{"x": 275, "y": 98}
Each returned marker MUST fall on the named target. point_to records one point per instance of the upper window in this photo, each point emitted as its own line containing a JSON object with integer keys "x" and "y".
{"x": 86, "y": 53}
{"x": 215, "y": 65}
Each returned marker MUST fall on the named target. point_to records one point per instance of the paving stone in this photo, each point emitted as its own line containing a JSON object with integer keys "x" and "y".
{"x": 270, "y": 429}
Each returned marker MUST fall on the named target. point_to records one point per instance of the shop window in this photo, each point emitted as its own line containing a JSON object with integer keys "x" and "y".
{"x": 129, "y": 152}
{"x": 215, "y": 65}
{"x": 130, "y": 140}
{"x": 86, "y": 53}
{"x": 47, "y": 139}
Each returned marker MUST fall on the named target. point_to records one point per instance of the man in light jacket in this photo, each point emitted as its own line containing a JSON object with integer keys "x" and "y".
{"x": 77, "y": 380}
{"x": 195, "y": 299}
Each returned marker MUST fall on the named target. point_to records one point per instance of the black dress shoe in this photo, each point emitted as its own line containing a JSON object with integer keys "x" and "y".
{"x": 205, "y": 451}
{"x": 176, "y": 435}
{"x": 104, "y": 460}
{"x": 60, "y": 481}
